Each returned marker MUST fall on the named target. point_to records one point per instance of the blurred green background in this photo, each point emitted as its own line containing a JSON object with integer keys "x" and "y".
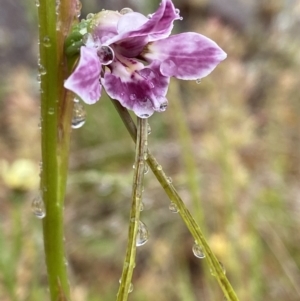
{"x": 231, "y": 145}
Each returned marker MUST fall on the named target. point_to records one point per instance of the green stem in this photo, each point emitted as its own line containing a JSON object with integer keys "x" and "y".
{"x": 214, "y": 264}
{"x": 137, "y": 191}
{"x": 56, "y": 112}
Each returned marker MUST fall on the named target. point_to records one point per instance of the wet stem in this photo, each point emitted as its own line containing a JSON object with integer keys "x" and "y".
{"x": 56, "y": 113}
{"x": 214, "y": 264}
{"x": 137, "y": 191}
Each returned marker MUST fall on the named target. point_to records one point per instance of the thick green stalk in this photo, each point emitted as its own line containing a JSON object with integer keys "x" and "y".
{"x": 137, "y": 191}
{"x": 214, "y": 264}
{"x": 56, "y": 112}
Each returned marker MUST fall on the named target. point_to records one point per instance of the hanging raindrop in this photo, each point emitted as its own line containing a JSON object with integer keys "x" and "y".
{"x": 79, "y": 115}
{"x": 173, "y": 208}
{"x": 142, "y": 206}
{"x": 38, "y": 207}
{"x": 146, "y": 168}
{"x": 106, "y": 55}
{"x": 198, "y": 252}
{"x": 142, "y": 234}
{"x": 198, "y": 81}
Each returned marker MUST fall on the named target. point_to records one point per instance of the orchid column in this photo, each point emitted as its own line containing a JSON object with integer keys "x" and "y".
{"x": 55, "y": 20}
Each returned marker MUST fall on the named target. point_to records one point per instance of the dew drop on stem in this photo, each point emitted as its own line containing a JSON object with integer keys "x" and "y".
{"x": 198, "y": 252}
{"x": 142, "y": 234}
{"x": 148, "y": 129}
{"x": 146, "y": 168}
{"x": 38, "y": 207}
{"x": 79, "y": 115}
{"x": 46, "y": 41}
{"x": 173, "y": 208}
{"x": 130, "y": 289}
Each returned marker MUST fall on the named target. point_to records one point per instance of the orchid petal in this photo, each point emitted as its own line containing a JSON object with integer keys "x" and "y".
{"x": 159, "y": 26}
{"x": 84, "y": 81}
{"x": 188, "y": 55}
{"x": 104, "y": 25}
{"x": 141, "y": 90}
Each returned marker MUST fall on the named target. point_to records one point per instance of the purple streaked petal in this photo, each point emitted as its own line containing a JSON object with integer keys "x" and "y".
{"x": 84, "y": 81}
{"x": 130, "y": 22}
{"x": 142, "y": 91}
{"x": 159, "y": 26}
{"x": 185, "y": 56}
{"x": 104, "y": 25}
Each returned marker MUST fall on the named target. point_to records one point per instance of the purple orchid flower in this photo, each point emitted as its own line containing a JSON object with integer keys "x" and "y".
{"x": 133, "y": 58}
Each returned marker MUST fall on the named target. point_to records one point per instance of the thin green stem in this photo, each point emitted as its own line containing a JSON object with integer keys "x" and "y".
{"x": 185, "y": 139}
{"x": 137, "y": 191}
{"x": 56, "y": 112}
{"x": 214, "y": 264}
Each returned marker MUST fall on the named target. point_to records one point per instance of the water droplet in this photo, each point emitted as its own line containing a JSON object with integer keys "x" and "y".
{"x": 37, "y": 3}
{"x": 177, "y": 11}
{"x": 38, "y": 207}
{"x": 180, "y": 18}
{"x": 125, "y": 11}
{"x": 89, "y": 16}
{"x": 106, "y": 55}
{"x": 142, "y": 234}
{"x": 133, "y": 166}
{"x": 144, "y": 115}
{"x": 169, "y": 180}
{"x": 148, "y": 74}
{"x": 146, "y": 156}
{"x": 198, "y": 81}
{"x": 41, "y": 69}
{"x": 46, "y": 41}
{"x": 197, "y": 250}
{"x": 173, "y": 208}
{"x": 51, "y": 111}
{"x": 130, "y": 289}
{"x": 149, "y": 129}
{"x": 79, "y": 115}
{"x": 163, "y": 106}
{"x": 132, "y": 96}
{"x": 149, "y": 16}
{"x": 158, "y": 167}
{"x": 146, "y": 169}
{"x": 39, "y": 78}
{"x": 142, "y": 206}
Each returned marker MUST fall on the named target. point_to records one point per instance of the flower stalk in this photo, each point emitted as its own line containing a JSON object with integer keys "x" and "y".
{"x": 137, "y": 191}
{"x": 55, "y": 20}
{"x": 214, "y": 265}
